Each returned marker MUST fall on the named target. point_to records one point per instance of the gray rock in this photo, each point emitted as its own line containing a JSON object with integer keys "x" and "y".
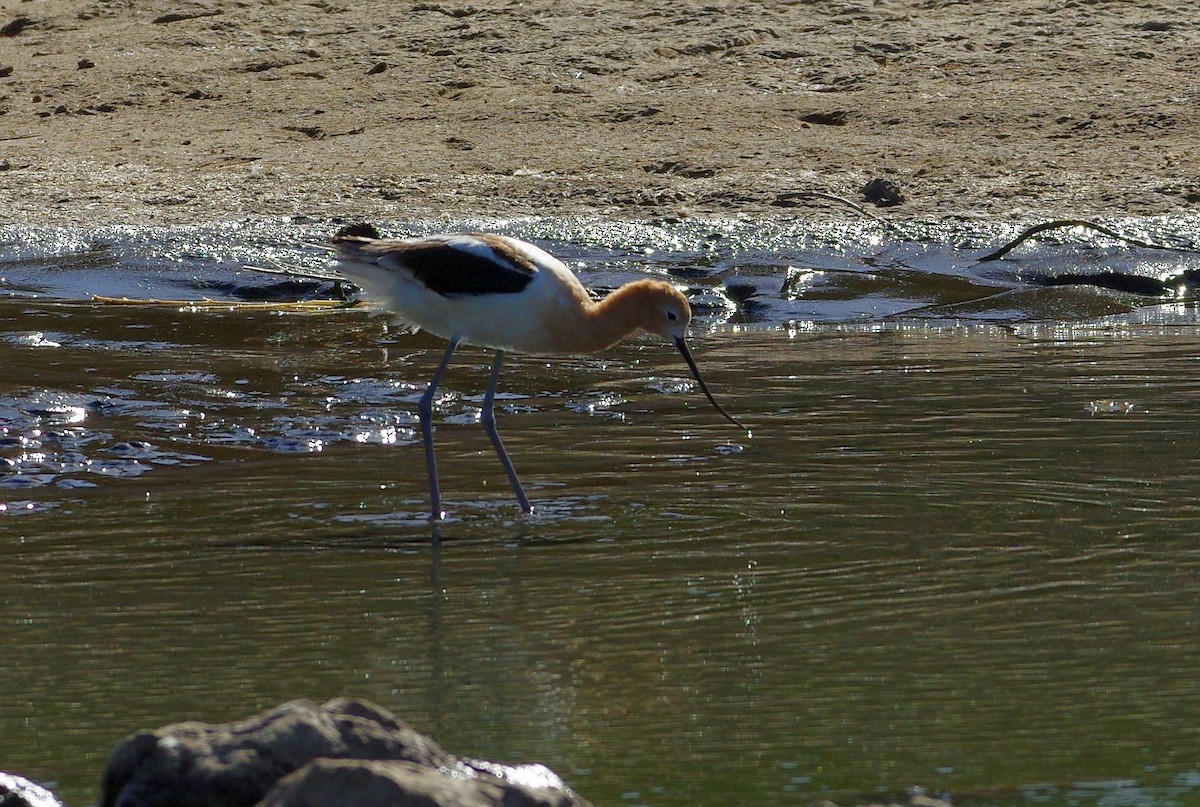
{"x": 343, "y": 752}
{"x": 17, "y": 791}
{"x": 351, "y": 783}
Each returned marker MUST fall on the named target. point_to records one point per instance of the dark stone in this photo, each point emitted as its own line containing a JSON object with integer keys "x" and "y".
{"x": 343, "y": 752}
{"x": 883, "y": 193}
{"x": 360, "y": 230}
{"x": 17, "y": 791}
{"x": 15, "y": 26}
{"x": 377, "y": 68}
{"x": 837, "y": 117}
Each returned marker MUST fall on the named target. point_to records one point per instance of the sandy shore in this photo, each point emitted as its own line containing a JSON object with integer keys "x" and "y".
{"x": 166, "y": 112}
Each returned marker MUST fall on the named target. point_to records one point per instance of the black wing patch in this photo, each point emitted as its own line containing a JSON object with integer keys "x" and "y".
{"x": 449, "y": 270}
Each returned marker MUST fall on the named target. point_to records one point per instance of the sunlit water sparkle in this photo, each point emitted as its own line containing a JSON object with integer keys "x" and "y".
{"x": 958, "y": 552}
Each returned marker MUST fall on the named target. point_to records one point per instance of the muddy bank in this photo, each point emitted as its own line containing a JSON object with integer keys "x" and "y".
{"x": 167, "y": 113}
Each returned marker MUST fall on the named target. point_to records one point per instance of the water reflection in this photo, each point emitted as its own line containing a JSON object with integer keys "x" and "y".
{"x": 956, "y": 555}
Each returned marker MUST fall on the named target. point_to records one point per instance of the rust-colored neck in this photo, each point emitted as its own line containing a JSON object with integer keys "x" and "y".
{"x": 605, "y": 323}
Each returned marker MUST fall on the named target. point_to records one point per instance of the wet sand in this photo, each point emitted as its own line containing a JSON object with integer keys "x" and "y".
{"x": 168, "y": 113}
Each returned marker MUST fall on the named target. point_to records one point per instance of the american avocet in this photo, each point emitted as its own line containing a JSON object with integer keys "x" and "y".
{"x": 501, "y": 293}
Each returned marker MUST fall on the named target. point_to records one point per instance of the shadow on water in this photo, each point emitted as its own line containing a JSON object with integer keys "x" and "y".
{"x": 959, "y": 551}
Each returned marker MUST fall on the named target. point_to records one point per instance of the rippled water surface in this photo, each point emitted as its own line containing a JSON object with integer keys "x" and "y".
{"x": 959, "y": 552}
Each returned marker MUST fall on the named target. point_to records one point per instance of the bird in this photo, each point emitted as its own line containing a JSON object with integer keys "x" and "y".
{"x": 501, "y": 293}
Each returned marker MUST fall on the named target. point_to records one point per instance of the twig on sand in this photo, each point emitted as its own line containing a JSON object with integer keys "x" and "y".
{"x": 1060, "y": 223}
{"x": 829, "y": 197}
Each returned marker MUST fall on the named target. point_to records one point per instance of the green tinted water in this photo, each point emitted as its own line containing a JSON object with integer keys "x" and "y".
{"x": 956, "y": 557}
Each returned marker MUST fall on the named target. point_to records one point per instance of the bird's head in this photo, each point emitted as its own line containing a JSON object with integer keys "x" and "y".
{"x": 662, "y": 309}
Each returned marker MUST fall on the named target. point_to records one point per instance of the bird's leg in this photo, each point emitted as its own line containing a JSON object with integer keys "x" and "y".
{"x": 488, "y": 417}
{"x": 426, "y": 411}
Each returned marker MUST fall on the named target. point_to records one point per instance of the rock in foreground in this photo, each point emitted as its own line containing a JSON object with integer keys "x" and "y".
{"x": 344, "y": 752}
{"x": 17, "y": 791}
{"x": 351, "y": 783}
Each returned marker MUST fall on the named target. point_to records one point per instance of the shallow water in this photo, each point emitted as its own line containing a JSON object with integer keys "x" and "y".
{"x": 958, "y": 552}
